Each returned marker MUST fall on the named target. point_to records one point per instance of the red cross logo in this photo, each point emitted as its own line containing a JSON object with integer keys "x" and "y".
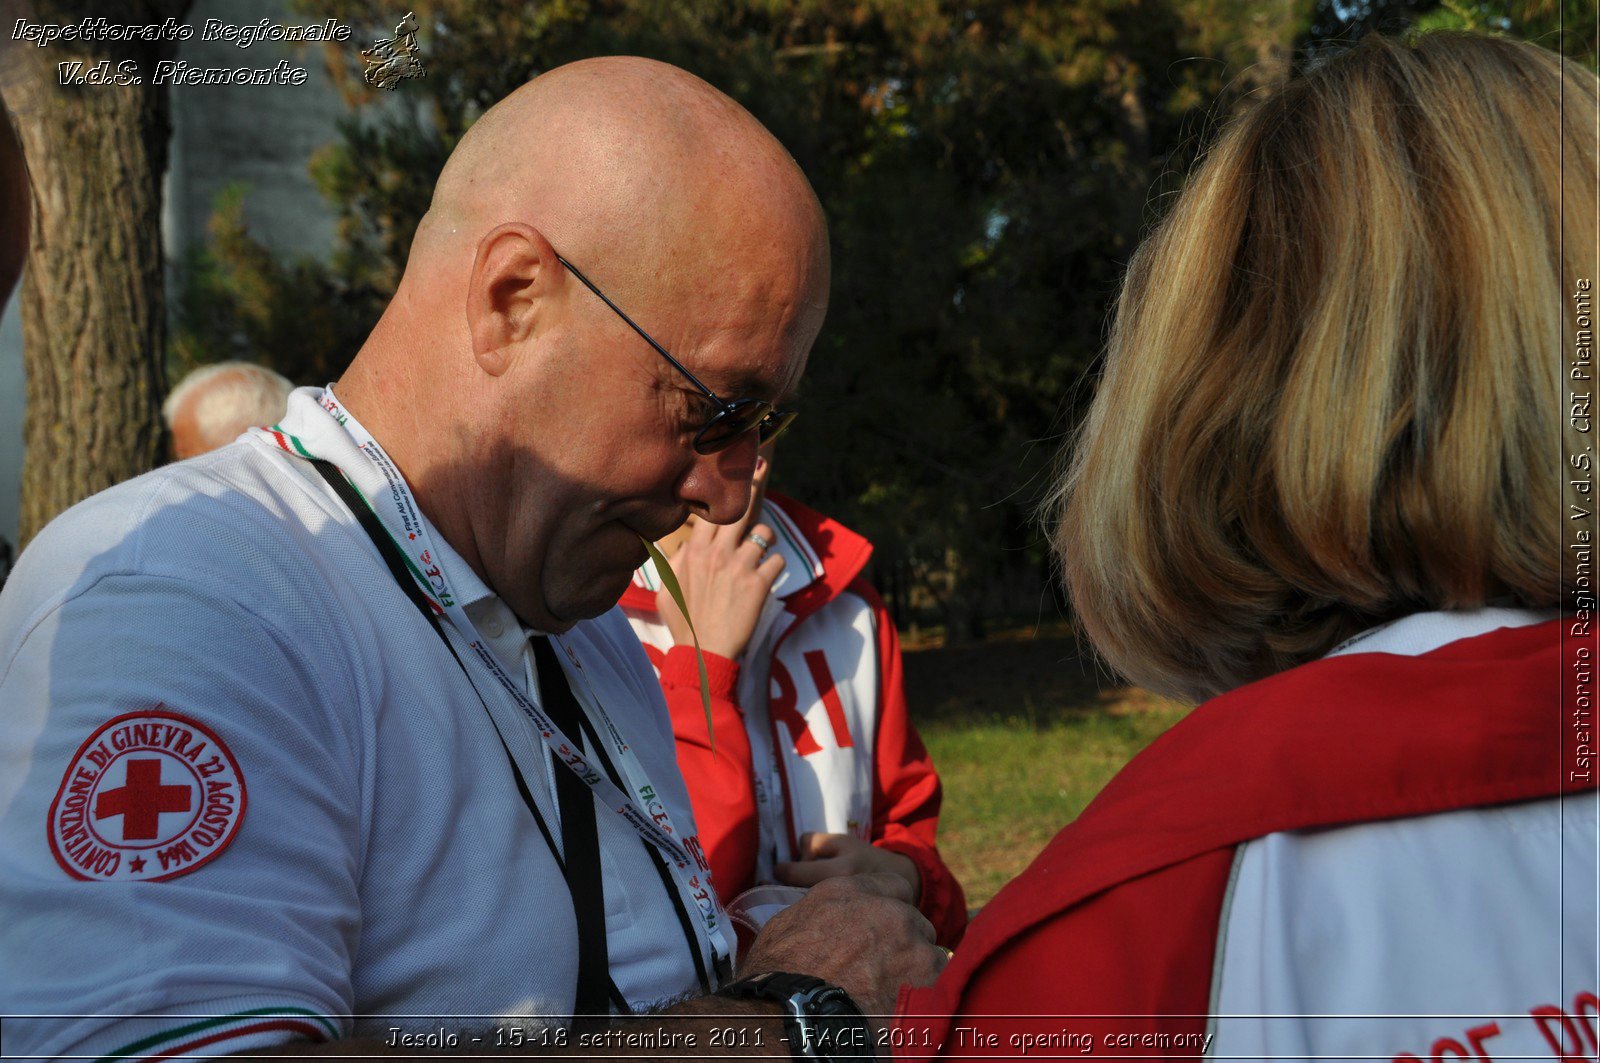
{"x": 203, "y": 796}
{"x": 141, "y": 800}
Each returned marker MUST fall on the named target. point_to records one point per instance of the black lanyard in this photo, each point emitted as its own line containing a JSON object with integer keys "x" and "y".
{"x": 580, "y": 842}
{"x": 581, "y": 868}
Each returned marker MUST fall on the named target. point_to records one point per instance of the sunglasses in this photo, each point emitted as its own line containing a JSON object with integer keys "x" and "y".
{"x": 732, "y": 419}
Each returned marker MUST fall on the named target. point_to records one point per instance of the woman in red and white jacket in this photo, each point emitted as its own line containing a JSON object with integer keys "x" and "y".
{"x": 817, "y": 770}
{"x": 1337, "y": 480}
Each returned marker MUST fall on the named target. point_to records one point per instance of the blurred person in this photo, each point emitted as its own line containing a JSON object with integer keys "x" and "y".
{"x": 15, "y": 217}
{"x": 15, "y": 208}
{"x": 336, "y": 735}
{"x": 214, "y": 404}
{"x": 812, "y": 767}
{"x": 1319, "y": 486}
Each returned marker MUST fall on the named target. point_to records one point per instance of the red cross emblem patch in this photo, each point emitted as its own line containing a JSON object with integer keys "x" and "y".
{"x": 149, "y": 796}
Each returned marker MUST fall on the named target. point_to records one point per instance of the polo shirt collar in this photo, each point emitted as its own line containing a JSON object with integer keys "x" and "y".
{"x": 308, "y": 418}
{"x": 1420, "y": 633}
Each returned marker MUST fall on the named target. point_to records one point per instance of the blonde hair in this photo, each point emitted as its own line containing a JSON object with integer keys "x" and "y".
{"x": 1335, "y": 392}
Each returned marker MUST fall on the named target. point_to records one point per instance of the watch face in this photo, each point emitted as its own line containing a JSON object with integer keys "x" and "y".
{"x": 830, "y": 1025}
{"x": 832, "y": 1002}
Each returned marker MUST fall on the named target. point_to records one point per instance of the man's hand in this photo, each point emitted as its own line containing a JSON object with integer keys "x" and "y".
{"x": 859, "y": 933}
{"x": 831, "y": 855}
{"x": 725, "y": 577}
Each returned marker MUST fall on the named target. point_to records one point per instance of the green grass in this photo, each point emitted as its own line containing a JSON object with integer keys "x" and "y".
{"x": 1023, "y": 735}
{"x": 1009, "y": 786}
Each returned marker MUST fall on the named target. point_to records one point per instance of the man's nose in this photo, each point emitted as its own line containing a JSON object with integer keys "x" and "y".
{"x": 717, "y": 486}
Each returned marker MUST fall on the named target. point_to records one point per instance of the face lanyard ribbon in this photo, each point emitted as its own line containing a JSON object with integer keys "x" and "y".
{"x": 681, "y": 869}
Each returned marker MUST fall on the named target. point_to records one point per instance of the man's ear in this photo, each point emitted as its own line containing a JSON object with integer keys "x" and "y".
{"x": 510, "y": 274}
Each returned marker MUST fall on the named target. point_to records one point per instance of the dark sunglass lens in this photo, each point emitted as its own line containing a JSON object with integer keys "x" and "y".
{"x": 773, "y": 424}
{"x": 739, "y": 417}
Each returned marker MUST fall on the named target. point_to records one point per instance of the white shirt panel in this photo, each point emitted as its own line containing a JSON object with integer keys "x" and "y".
{"x": 1420, "y": 633}
{"x": 834, "y": 657}
{"x": 385, "y": 863}
{"x": 1425, "y": 933}
{"x": 1485, "y": 913}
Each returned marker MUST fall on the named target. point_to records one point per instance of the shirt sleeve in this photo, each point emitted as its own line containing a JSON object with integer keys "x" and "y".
{"x": 721, "y": 782}
{"x": 905, "y": 805}
{"x": 216, "y": 902}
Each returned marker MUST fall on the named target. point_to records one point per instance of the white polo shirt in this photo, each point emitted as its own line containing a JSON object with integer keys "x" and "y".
{"x": 247, "y": 795}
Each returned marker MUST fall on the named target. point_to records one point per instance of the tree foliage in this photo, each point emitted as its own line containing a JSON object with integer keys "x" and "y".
{"x": 237, "y": 299}
{"x": 986, "y": 167}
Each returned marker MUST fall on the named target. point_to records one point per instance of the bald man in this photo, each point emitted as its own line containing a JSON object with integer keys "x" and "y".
{"x": 337, "y": 737}
{"x": 214, "y": 404}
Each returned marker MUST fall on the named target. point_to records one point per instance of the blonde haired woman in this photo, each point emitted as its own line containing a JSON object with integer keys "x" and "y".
{"x": 1335, "y": 479}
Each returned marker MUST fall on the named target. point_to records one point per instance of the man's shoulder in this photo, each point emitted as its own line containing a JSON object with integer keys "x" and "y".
{"x": 177, "y": 583}
{"x": 219, "y": 518}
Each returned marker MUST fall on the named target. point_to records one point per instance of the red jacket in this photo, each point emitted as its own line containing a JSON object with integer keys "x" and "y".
{"x": 1114, "y": 928}
{"x": 822, "y": 741}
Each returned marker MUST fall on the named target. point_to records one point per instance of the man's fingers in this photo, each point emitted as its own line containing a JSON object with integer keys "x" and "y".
{"x": 815, "y": 844}
{"x": 924, "y": 927}
{"x": 729, "y": 536}
{"x": 808, "y": 872}
{"x": 881, "y": 883}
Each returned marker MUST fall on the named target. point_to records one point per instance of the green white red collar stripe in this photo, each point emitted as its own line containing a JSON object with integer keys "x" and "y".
{"x": 796, "y": 541}
{"x": 210, "y": 1032}
{"x": 291, "y": 444}
{"x": 802, "y": 568}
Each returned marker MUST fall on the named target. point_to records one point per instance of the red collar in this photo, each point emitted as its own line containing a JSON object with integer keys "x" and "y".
{"x": 638, "y": 598}
{"x": 1347, "y": 739}
{"x": 844, "y": 554}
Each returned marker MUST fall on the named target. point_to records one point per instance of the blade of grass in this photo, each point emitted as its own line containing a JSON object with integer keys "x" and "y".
{"x": 670, "y": 581}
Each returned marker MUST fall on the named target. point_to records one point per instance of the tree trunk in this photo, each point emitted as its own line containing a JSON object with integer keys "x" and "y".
{"x": 93, "y": 298}
{"x": 964, "y": 604}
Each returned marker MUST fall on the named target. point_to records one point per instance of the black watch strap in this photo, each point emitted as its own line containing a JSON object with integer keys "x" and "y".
{"x": 821, "y": 1020}
{"x": 775, "y": 985}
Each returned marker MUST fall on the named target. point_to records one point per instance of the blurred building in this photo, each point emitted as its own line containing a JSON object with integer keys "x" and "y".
{"x": 257, "y": 135}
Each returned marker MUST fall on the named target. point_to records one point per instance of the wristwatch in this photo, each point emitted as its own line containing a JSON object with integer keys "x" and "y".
{"x": 821, "y": 1021}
